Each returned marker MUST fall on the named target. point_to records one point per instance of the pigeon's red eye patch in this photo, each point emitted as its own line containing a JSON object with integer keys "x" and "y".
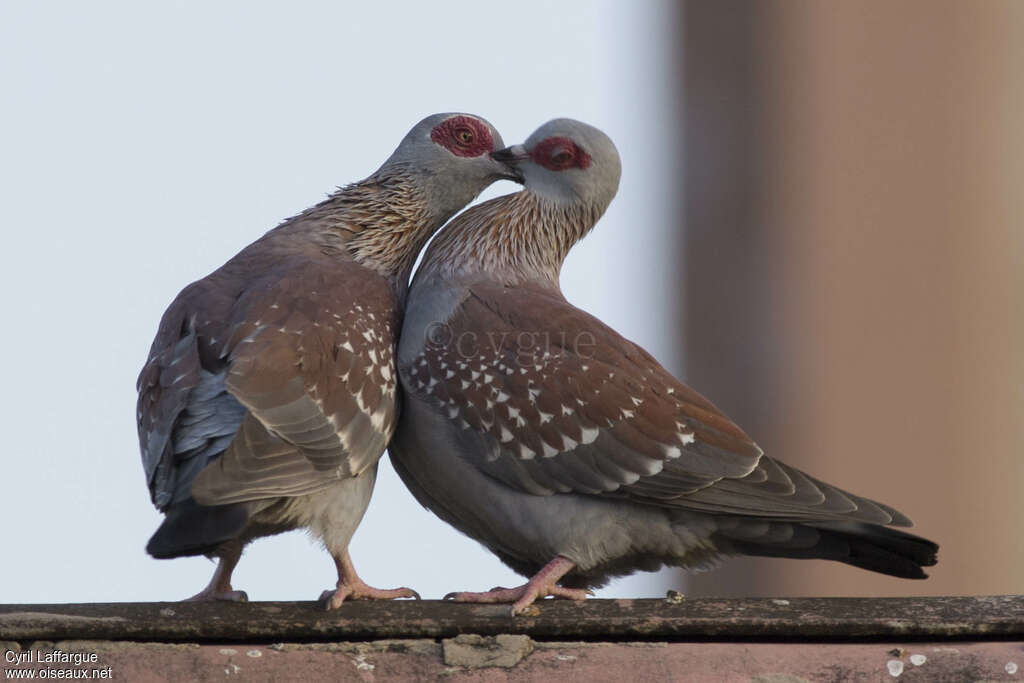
{"x": 463, "y": 136}
{"x": 559, "y": 154}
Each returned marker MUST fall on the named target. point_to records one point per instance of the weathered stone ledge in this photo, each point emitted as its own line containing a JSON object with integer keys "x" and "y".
{"x": 931, "y": 619}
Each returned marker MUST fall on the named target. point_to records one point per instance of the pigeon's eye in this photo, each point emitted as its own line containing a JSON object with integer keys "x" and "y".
{"x": 561, "y": 157}
{"x": 463, "y": 136}
{"x": 560, "y": 154}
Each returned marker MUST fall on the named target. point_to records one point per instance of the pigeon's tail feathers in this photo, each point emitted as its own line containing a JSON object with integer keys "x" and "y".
{"x": 868, "y": 546}
{"x": 193, "y": 529}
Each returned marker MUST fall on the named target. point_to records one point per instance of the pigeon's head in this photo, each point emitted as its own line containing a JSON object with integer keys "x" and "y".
{"x": 568, "y": 162}
{"x": 449, "y": 155}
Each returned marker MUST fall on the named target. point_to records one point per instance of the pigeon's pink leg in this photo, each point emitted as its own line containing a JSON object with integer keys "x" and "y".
{"x": 350, "y": 586}
{"x": 219, "y": 587}
{"x": 540, "y": 585}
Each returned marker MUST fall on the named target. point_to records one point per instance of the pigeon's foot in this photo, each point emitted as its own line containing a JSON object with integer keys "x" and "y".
{"x": 208, "y": 594}
{"x": 360, "y": 591}
{"x": 219, "y": 587}
{"x": 351, "y": 587}
{"x": 543, "y": 584}
{"x": 523, "y": 596}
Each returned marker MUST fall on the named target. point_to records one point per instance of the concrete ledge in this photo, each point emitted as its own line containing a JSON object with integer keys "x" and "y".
{"x": 807, "y": 619}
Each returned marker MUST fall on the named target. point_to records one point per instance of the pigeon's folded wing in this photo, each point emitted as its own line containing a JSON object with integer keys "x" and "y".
{"x": 312, "y": 364}
{"x": 564, "y": 403}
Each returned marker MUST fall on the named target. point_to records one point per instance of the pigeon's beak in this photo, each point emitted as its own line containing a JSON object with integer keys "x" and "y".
{"x": 510, "y": 158}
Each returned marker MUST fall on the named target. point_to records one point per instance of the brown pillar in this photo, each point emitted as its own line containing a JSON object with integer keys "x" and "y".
{"x": 854, "y": 281}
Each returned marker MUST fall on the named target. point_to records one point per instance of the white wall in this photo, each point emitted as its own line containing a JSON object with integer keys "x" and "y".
{"x": 142, "y": 146}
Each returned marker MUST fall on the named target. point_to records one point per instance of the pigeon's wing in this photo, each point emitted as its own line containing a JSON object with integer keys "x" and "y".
{"x": 295, "y": 388}
{"x": 309, "y": 356}
{"x": 186, "y": 416}
{"x": 165, "y": 385}
{"x": 563, "y": 403}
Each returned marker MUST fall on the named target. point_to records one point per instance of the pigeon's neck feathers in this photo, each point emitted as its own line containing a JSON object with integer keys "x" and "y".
{"x": 381, "y": 222}
{"x": 516, "y": 238}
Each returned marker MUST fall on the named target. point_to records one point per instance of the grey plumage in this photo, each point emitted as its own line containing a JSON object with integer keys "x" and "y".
{"x": 581, "y": 458}
{"x": 270, "y": 391}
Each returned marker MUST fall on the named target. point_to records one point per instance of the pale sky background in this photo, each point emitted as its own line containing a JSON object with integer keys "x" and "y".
{"x": 144, "y": 144}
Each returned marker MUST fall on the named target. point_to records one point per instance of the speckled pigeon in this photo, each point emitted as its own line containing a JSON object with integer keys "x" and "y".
{"x": 567, "y": 450}
{"x": 270, "y": 389}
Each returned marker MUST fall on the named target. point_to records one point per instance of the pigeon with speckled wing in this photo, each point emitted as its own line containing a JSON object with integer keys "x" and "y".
{"x": 270, "y": 389}
{"x": 564, "y": 448}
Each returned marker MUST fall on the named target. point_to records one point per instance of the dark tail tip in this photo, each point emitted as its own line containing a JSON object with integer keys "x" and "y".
{"x": 881, "y": 549}
{"x": 868, "y": 546}
{"x": 193, "y": 529}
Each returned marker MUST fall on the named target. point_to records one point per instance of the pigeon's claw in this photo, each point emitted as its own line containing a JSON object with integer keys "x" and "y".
{"x": 521, "y": 596}
{"x": 210, "y": 595}
{"x": 543, "y": 584}
{"x": 360, "y": 591}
